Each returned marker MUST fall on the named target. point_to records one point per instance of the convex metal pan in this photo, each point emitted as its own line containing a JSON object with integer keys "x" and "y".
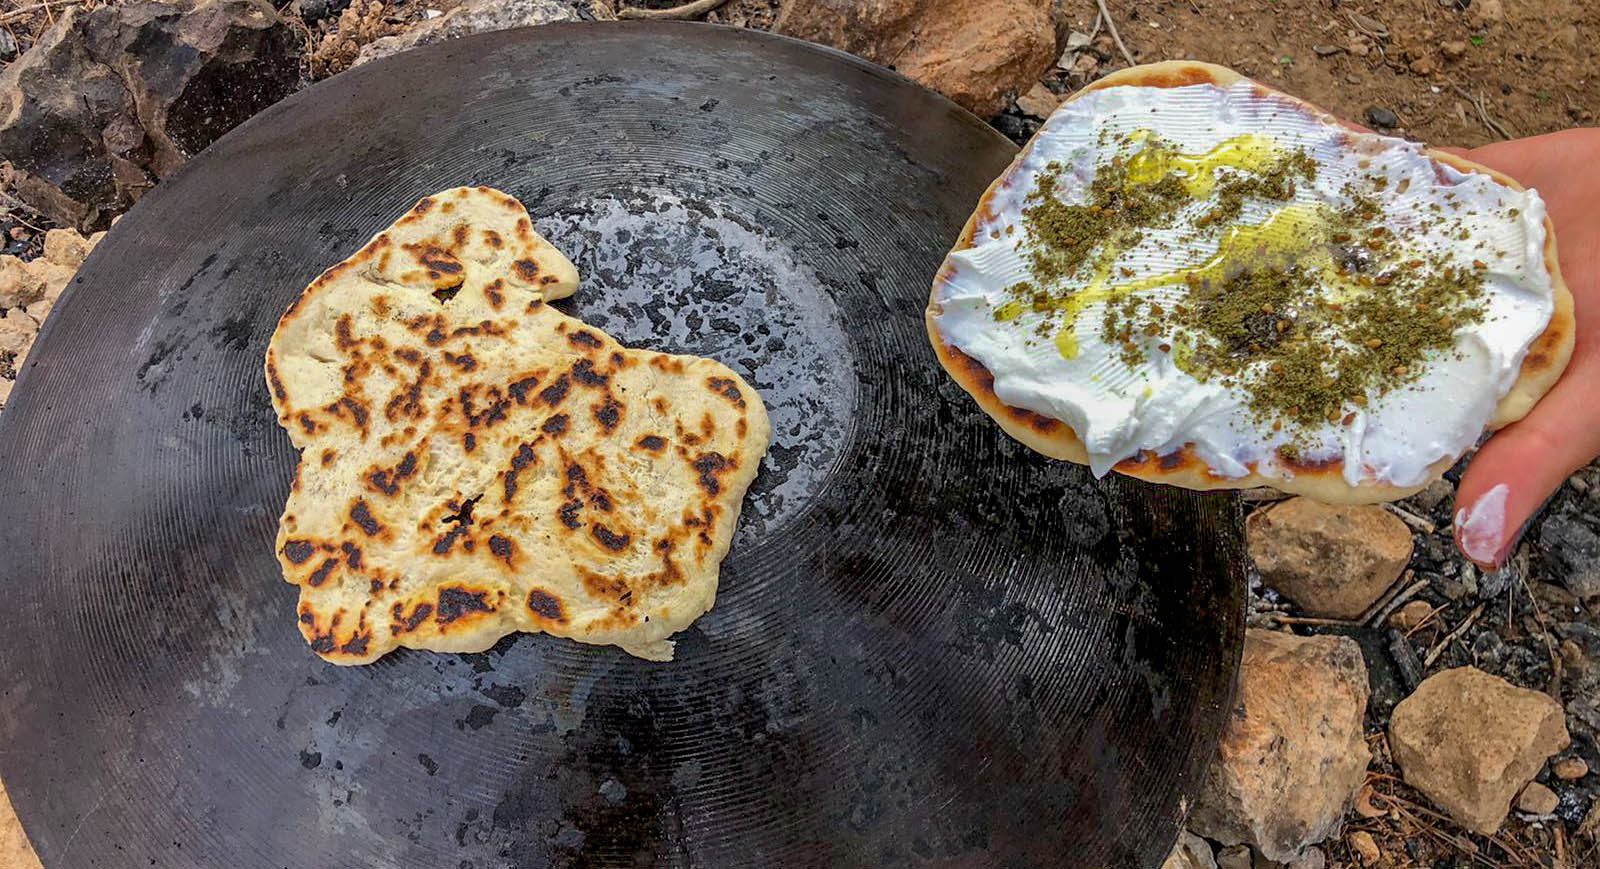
{"x": 930, "y": 646}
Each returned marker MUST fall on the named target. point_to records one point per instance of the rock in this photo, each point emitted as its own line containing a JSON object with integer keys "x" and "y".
{"x": 1425, "y": 65}
{"x": 1454, "y": 49}
{"x": 1536, "y": 799}
{"x": 980, "y": 53}
{"x": 1313, "y": 858}
{"x": 1331, "y": 560}
{"x": 1572, "y": 553}
{"x": 1381, "y": 118}
{"x": 1570, "y": 768}
{"x": 473, "y": 16}
{"x": 109, "y": 100}
{"x": 1292, "y": 755}
{"x": 312, "y": 11}
{"x": 17, "y": 331}
{"x": 1039, "y": 102}
{"x": 39, "y": 310}
{"x": 65, "y": 247}
{"x": 1411, "y": 615}
{"x": 1234, "y": 857}
{"x": 1190, "y": 852}
{"x": 19, "y": 286}
{"x": 1326, "y": 50}
{"x": 1364, "y": 847}
{"x": 8, "y": 46}
{"x": 1469, "y": 741}
{"x": 1438, "y": 490}
{"x": 1487, "y": 11}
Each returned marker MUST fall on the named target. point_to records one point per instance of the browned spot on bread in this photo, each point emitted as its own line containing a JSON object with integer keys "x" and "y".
{"x": 659, "y": 405}
{"x": 307, "y": 423}
{"x": 456, "y": 603}
{"x": 465, "y": 362}
{"x": 277, "y": 382}
{"x": 343, "y": 337}
{"x": 609, "y": 414}
{"x": 493, "y": 293}
{"x": 357, "y": 644}
{"x": 469, "y": 442}
{"x": 352, "y": 555}
{"x": 527, "y": 269}
{"x": 568, "y": 514}
{"x": 555, "y": 426}
{"x": 983, "y": 381}
{"x": 388, "y": 481}
{"x": 555, "y": 392}
{"x": 503, "y": 548}
{"x": 668, "y": 364}
{"x": 711, "y": 465}
{"x": 408, "y": 401}
{"x": 610, "y": 539}
{"x": 460, "y": 234}
{"x": 584, "y": 373}
{"x": 725, "y": 387}
{"x": 298, "y": 551}
{"x": 409, "y": 354}
{"x": 739, "y": 427}
{"x": 320, "y": 576}
{"x": 653, "y": 443}
{"x": 519, "y": 389}
{"x": 525, "y": 456}
{"x": 601, "y": 586}
{"x": 327, "y": 457}
{"x": 362, "y": 516}
{"x": 583, "y": 338}
{"x": 546, "y": 606}
{"x": 404, "y": 624}
{"x": 493, "y": 239}
{"x": 356, "y": 409}
{"x": 1535, "y": 361}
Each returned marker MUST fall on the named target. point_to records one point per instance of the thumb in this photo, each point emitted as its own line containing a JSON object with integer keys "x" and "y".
{"x": 1519, "y": 468}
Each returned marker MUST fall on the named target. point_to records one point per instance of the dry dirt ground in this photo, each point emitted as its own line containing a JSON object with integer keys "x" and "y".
{"x": 1532, "y": 65}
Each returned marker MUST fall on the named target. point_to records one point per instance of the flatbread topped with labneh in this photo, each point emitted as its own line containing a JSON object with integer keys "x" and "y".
{"x": 474, "y": 462}
{"x": 1193, "y": 279}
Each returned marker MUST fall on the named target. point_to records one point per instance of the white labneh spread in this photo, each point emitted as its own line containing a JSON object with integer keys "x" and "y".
{"x": 1058, "y": 361}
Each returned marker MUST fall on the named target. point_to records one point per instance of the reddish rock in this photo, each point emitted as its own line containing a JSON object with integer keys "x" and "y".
{"x": 1331, "y": 560}
{"x": 980, "y": 54}
{"x": 1470, "y": 741}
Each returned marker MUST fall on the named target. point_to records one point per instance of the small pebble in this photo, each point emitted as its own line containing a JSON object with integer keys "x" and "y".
{"x": 1362, "y": 843}
{"x": 1454, "y": 49}
{"x": 1570, "y": 768}
{"x": 1536, "y": 799}
{"x": 1382, "y": 118}
{"x": 1411, "y": 615}
{"x": 8, "y": 45}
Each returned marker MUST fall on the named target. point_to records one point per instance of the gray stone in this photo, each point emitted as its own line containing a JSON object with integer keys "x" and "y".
{"x": 1381, "y": 118}
{"x": 110, "y": 100}
{"x": 1234, "y": 857}
{"x": 473, "y": 16}
{"x": 1572, "y": 552}
{"x": 1190, "y": 852}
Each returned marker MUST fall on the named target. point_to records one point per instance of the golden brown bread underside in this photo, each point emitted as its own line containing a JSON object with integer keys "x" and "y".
{"x": 475, "y": 462}
{"x": 1546, "y": 358}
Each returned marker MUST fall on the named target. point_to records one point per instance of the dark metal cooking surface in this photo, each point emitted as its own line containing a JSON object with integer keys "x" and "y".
{"x": 929, "y": 646}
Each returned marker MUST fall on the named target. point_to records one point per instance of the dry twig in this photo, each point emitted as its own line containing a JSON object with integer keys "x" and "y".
{"x": 1310, "y": 620}
{"x": 1437, "y": 650}
{"x": 680, "y": 13}
{"x": 1383, "y": 608}
{"x": 1411, "y": 518}
{"x": 1483, "y": 112}
{"x": 1115, "y": 36}
{"x": 46, "y": 8}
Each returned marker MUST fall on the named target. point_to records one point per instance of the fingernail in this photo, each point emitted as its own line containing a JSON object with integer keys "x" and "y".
{"x": 1481, "y": 528}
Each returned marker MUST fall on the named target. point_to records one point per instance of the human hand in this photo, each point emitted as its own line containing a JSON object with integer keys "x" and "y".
{"x": 1523, "y": 464}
